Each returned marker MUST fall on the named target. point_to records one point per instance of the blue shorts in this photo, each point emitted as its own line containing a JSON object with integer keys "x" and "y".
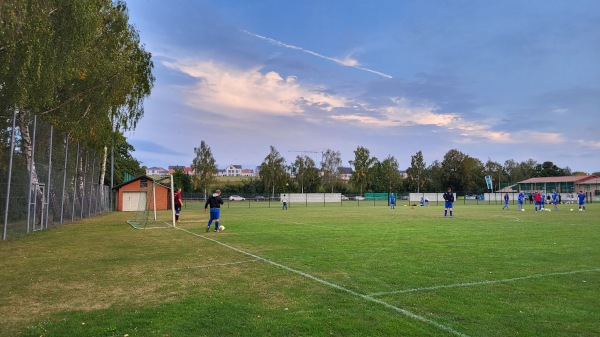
{"x": 448, "y": 204}
{"x": 215, "y": 213}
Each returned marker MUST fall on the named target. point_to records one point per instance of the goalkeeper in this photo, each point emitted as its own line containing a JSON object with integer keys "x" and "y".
{"x": 449, "y": 197}
{"x": 215, "y": 202}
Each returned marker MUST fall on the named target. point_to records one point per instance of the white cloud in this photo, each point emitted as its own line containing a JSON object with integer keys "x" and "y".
{"x": 222, "y": 88}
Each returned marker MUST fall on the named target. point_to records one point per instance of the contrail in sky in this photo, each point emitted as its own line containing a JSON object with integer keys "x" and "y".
{"x": 289, "y": 46}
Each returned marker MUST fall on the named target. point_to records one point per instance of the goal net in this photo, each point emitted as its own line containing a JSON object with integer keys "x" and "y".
{"x": 151, "y": 204}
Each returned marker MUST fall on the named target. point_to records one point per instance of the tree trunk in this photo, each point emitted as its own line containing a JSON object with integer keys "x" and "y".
{"x": 103, "y": 173}
{"x": 23, "y": 121}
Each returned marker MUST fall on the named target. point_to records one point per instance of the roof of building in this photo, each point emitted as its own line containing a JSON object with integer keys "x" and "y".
{"x": 140, "y": 178}
{"x": 563, "y": 179}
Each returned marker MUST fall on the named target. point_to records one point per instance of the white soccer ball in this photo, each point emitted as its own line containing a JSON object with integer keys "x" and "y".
{"x": 221, "y": 228}
{"x": 522, "y": 209}
{"x": 571, "y": 210}
{"x": 580, "y": 210}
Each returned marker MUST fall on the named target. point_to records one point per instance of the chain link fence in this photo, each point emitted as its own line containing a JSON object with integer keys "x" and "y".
{"x": 47, "y": 179}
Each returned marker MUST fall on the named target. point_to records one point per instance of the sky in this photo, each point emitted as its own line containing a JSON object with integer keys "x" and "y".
{"x": 496, "y": 80}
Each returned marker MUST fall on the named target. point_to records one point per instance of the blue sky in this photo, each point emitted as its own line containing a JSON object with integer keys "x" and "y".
{"x": 495, "y": 80}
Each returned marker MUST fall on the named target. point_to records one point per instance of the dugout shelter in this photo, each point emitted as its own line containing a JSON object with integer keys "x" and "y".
{"x": 142, "y": 193}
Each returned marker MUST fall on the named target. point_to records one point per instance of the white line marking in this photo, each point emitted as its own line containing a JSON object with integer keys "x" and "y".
{"x": 467, "y": 284}
{"x": 333, "y": 285}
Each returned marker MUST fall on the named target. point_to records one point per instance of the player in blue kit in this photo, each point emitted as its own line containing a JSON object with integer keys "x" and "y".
{"x": 449, "y": 197}
{"x": 581, "y": 201}
{"x": 215, "y": 202}
{"x": 506, "y": 198}
{"x": 520, "y": 200}
{"x": 555, "y": 200}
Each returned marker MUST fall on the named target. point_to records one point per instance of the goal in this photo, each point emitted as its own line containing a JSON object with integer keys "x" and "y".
{"x": 151, "y": 205}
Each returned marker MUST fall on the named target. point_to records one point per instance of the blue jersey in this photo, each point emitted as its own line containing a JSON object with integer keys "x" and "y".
{"x": 521, "y": 197}
{"x": 392, "y": 199}
{"x": 555, "y": 198}
{"x": 581, "y": 198}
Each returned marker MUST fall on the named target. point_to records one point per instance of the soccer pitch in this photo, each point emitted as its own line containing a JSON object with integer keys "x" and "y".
{"x": 310, "y": 271}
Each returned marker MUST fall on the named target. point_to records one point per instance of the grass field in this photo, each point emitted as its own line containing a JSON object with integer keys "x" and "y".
{"x": 310, "y": 271}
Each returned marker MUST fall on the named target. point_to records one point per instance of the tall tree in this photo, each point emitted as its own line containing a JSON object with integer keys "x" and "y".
{"x": 363, "y": 164}
{"x": 472, "y": 175}
{"x": 416, "y": 171}
{"x": 548, "y": 169}
{"x": 330, "y": 167}
{"x": 386, "y": 175}
{"x": 306, "y": 173}
{"x": 204, "y": 167}
{"x": 452, "y": 169}
{"x": 77, "y": 64}
{"x": 272, "y": 171}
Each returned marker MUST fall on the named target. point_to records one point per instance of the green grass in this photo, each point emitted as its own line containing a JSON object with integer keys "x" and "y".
{"x": 344, "y": 270}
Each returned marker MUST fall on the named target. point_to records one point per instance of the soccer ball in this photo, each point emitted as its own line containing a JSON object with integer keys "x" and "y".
{"x": 522, "y": 209}
{"x": 580, "y": 210}
{"x": 221, "y": 228}
{"x": 571, "y": 210}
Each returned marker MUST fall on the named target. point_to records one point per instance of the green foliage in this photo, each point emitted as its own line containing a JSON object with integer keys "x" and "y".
{"x": 204, "y": 166}
{"x": 330, "y": 166}
{"x": 272, "y": 172}
{"x": 124, "y": 162}
{"x": 386, "y": 175}
{"x": 363, "y": 168}
{"x": 182, "y": 180}
{"x": 416, "y": 172}
{"x": 306, "y": 175}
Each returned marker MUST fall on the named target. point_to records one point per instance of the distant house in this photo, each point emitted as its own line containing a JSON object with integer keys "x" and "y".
{"x": 346, "y": 173}
{"x": 247, "y": 173}
{"x": 233, "y": 170}
{"x": 187, "y": 170}
{"x": 238, "y": 171}
{"x": 154, "y": 171}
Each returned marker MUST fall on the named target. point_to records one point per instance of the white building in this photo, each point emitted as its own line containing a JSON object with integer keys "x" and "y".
{"x": 153, "y": 171}
{"x": 238, "y": 171}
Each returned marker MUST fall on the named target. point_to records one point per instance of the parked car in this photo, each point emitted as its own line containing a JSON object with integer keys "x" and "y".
{"x": 345, "y": 197}
{"x": 259, "y": 198}
{"x": 358, "y": 197}
{"x": 236, "y": 198}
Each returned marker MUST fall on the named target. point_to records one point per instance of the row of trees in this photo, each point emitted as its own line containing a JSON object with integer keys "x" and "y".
{"x": 462, "y": 172}
{"x": 77, "y": 65}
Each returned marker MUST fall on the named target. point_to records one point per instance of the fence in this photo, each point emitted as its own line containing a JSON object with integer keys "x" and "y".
{"x": 47, "y": 179}
{"x": 371, "y": 199}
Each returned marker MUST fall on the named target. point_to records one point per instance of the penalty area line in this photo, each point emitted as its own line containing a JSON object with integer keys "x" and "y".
{"x": 468, "y": 284}
{"x": 335, "y": 286}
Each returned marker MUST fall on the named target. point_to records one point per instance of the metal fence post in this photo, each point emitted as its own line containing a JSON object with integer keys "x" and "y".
{"x": 62, "y": 195}
{"x": 49, "y": 174}
{"x": 83, "y": 185}
{"x": 31, "y": 177}
{"x": 12, "y": 148}
{"x": 75, "y": 183}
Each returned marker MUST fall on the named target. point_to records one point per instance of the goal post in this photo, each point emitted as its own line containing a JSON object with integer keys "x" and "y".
{"x": 151, "y": 205}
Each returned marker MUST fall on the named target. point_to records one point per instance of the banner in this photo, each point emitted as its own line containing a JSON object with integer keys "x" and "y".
{"x": 488, "y": 181}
